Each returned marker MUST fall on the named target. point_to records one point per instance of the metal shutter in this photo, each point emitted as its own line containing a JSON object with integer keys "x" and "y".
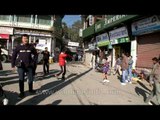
{"x": 148, "y": 47}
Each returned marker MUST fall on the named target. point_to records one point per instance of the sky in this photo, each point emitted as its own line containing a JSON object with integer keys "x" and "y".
{"x": 70, "y": 19}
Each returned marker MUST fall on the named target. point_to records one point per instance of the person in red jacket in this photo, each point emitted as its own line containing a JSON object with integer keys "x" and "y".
{"x": 62, "y": 63}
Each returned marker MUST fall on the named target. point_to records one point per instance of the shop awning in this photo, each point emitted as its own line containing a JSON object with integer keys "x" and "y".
{"x": 4, "y": 36}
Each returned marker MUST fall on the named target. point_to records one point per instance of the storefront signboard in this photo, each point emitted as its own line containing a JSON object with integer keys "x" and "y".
{"x": 146, "y": 25}
{"x": 102, "y": 40}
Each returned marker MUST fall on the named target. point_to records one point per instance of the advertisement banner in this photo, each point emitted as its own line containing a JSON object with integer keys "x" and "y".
{"x": 102, "y": 40}
{"x": 146, "y": 25}
{"x": 6, "y": 30}
{"x": 76, "y": 44}
{"x": 118, "y": 33}
{"x": 92, "y": 46}
{"x": 4, "y": 36}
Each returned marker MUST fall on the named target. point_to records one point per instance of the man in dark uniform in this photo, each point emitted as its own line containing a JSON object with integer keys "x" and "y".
{"x": 35, "y": 64}
{"x": 22, "y": 58}
{"x": 46, "y": 55}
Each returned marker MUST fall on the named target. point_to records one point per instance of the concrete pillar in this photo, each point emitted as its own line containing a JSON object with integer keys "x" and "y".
{"x": 7, "y": 44}
{"x": 29, "y": 39}
{"x": 13, "y": 41}
{"x": 134, "y": 52}
{"x": 113, "y": 57}
{"x": 34, "y": 39}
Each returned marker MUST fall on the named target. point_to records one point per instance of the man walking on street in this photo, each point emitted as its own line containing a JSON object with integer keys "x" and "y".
{"x": 130, "y": 63}
{"x": 46, "y": 55}
{"x": 22, "y": 58}
{"x": 124, "y": 67}
{"x": 155, "y": 81}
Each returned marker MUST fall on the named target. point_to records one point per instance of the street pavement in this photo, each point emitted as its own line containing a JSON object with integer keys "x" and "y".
{"x": 83, "y": 86}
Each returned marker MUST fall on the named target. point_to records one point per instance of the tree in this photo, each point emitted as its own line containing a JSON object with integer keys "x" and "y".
{"x": 65, "y": 30}
{"x": 74, "y": 31}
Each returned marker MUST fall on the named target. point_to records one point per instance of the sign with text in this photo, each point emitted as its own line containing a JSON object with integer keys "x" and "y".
{"x": 6, "y": 30}
{"x": 92, "y": 46}
{"x": 102, "y": 40}
{"x": 76, "y": 44}
{"x": 118, "y": 33}
{"x": 102, "y": 37}
{"x": 146, "y": 25}
{"x": 113, "y": 18}
{"x": 32, "y": 32}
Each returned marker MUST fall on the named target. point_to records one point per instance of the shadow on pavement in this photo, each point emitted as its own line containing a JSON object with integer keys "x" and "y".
{"x": 51, "y": 88}
{"x": 142, "y": 92}
{"x": 6, "y": 72}
{"x": 119, "y": 78}
{"x": 71, "y": 75}
{"x": 55, "y": 102}
{"x": 12, "y": 97}
{"x": 141, "y": 84}
{"x": 9, "y": 80}
{"x": 42, "y": 77}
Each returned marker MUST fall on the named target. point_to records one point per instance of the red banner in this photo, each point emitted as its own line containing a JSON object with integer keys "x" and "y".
{"x": 4, "y": 36}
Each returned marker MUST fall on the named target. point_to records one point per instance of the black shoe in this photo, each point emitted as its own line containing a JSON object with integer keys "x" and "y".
{"x": 63, "y": 78}
{"x": 21, "y": 96}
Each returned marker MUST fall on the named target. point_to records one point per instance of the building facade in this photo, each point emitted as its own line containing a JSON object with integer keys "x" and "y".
{"x": 136, "y": 35}
{"x": 38, "y": 27}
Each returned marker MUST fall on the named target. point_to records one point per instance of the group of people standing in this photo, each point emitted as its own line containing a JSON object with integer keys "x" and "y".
{"x": 123, "y": 67}
{"x": 25, "y": 58}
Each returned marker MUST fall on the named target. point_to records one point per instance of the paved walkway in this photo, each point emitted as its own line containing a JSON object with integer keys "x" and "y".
{"x": 82, "y": 86}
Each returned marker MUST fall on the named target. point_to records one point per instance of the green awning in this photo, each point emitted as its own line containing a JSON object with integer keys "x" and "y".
{"x": 88, "y": 31}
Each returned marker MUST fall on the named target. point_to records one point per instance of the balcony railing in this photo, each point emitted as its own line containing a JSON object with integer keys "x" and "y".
{"x": 7, "y": 20}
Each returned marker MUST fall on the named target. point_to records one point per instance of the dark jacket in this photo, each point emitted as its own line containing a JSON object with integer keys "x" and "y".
{"x": 23, "y": 54}
{"x": 46, "y": 55}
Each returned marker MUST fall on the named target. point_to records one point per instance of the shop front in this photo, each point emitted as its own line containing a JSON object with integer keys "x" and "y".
{"x": 5, "y": 33}
{"x": 147, "y": 32}
{"x": 103, "y": 44}
{"x": 44, "y": 37}
{"x": 91, "y": 49}
{"x": 120, "y": 41}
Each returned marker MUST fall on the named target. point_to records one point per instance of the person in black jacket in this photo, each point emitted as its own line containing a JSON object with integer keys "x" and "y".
{"x": 22, "y": 58}
{"x": 35, "y": 64}
{"x": 46, "y": 55}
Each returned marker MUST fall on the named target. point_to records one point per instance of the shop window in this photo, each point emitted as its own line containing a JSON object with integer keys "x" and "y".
{"x": 4, "y": 17}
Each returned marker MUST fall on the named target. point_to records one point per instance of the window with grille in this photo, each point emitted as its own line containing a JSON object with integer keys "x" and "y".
{"x": 44, "y": 20}
{"x": 24, "y": 18}
{"x": 4, "y": 17}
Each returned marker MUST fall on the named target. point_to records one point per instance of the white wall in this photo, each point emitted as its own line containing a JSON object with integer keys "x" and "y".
{"x": 134, "y": 52}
